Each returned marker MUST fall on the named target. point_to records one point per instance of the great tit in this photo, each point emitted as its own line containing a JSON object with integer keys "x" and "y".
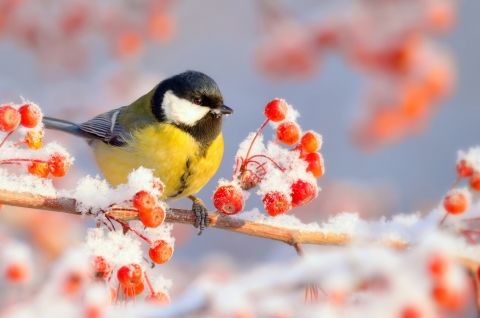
{"x": 175, "y": 129}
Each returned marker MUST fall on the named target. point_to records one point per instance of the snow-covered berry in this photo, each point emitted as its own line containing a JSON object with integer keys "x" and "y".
{"x": 276, "y": 110}
{"x": 152, "y": 218}
{"x": 9, "y": 118}
{"x": 160, "y": 252}
{"x": 288, "y": 133}
{"x": 228, "y": 199}
{"x": 276, "y": 203}
{"x": 31, "y": 115}
{"x": 303, "y": 192}
{"x": 456, "y": 202}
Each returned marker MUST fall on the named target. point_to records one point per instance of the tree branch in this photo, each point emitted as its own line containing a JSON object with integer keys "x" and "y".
{"x": 286, "y": 235}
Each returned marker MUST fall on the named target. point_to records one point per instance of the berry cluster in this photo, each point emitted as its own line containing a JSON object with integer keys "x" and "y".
{"x": 27, "y": 120}
{"x": 286, "y": 177}
{"x": 408, "y": 73}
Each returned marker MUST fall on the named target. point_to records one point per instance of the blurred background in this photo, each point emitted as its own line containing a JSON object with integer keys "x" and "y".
{"x": 391, "y": 86}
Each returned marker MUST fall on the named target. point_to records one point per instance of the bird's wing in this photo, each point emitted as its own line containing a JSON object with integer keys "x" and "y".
{"x": 105, "y": 127}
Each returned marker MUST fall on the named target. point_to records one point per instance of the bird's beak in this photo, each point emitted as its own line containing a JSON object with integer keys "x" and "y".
{"x": 225, "y": 110}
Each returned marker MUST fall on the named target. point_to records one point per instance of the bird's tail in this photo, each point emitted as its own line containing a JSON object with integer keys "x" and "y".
{"x": 65, "y": 126}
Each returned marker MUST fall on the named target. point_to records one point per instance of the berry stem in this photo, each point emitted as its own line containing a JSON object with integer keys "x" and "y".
{"x": 443, "y": 219}
{"x": 5, "y": 139}
{"x": 259, "y": 131}
{"x": 127, "y": 228}
{"x": 268, "y": 158}
{"x": 149, "y": 284}
{"x": 18, "y": 161}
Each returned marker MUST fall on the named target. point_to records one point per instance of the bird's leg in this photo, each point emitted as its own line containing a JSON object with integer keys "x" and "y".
{"x": 201, "y": 213}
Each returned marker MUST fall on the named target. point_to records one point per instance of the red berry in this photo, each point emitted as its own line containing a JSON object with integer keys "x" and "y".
{"x": 160, "y": 252}
{"x": 276, "y": 203}
{"x": 16, "y": 272}
{"x": 288, "y": 133}
{"x": 158, "y": 298}
{"x": 144, "y": 201}
{"x": 276, "y": 110}
{"x": 411, "y": 312}
{"x": 447, "y": 297}
{"x": 133, "y": 291}
{"x": 455, "y": 202}
{"x": 39, "y": 169}
{"x": 303, "y": 192}
{"x": 58, "y": 165}
{"x": 152, "y": 218}
{"x": 475, "y": 181}
{"x": 101, "y": 268}
{"x": 228, "y": 199}
{"x": 9, "y": 118}
{"x": 130, "y": 275}
{"x": 315, "y": 164}
{"x": 31, "y": 115}
{"x": 311, "y": 142}
{"x": 438, "y": 265}
{"x": 464, "y": 169}
{"x": 248, "y": 179}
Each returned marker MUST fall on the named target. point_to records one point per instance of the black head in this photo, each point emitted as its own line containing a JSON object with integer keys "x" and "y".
{"x": 193, "y": 102}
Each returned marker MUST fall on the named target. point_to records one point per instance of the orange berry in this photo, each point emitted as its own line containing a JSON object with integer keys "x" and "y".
{"x": 438, "y": 265}
{"x": 144, "y": 201}
{"x": 447, "y": 298}
{"x": 475, "y": 181}
{"x": 9, "y": 118}
{"x": 31, "y": 115}
{"x": 288, "y": 133}
{"x": 130, "y": 275}
{"x": 58, "y": 165}
{"x": 302, "y": 192}
{"x": 39, "y": 169}
{"x": 158, "y": 298}
{"x": 17, "y": 272}
{"x": 34, "y": 139}
{"x": 160, "y": 252}
{"x": 464, "y": 168}
{"x": 311, "y": 142}
{"x": 228, "y": 199}
{"x": 276, "y": 110}
{"x": 455, "y": 202}
{"x": 315, "y": 164}
{"x": 276, "y": 203}
{"x": 152, "y": 218}
{"x": 411, "y": 312}
{"x": 133, "y": 291}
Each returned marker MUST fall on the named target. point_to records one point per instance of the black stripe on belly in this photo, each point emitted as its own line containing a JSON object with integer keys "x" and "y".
{"x": 183, "y": 180}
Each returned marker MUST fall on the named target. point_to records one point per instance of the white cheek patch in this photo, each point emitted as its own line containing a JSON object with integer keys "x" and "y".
{"x": 181, "y": 111}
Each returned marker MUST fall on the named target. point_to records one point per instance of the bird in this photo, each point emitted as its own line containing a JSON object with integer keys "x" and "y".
{"x": 175, "y": 129}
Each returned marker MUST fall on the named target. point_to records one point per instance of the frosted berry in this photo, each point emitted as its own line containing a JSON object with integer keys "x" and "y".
{"x": 228, "y": 199}
{"x": 315, "y": 164}
{"x": 101, "y": 268}
{"x": 31, "y": 115}
{"x": 144, "y": 201}
{"x": 311, "y": 142}
{"x": 475, "y": 181}
{"x": 276, "y": 203}
{"x": 16, "y": 272}
{"x": 248, "y": 179}
{"x": 34, "y": 139}
{"x": 39, "y": 169}
{"x": 58, "y": 165}
{"x": 152, "y": 218}
{"x": 9, "y": 118}
{"x": 464, "y": 168}
{"x": 133, "y": 291}
{"x": 455, "y": 202}
{"x": 160, "y": 252}
{"x": 276, "y": 110}
{"x": 302, "y": 192}
{"x": 158, "y": 298}
{"x": 288, "y": 133}
{"x": 130, "y": 275}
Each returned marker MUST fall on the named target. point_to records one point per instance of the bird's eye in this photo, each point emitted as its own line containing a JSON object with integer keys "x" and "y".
{"x": 197, "y": 100}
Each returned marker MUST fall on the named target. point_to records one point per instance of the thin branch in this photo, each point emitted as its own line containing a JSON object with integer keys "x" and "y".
{"x": 286, "y": 235}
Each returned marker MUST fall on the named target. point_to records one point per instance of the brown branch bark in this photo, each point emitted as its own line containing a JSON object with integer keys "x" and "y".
{"x": 289, "y": 236}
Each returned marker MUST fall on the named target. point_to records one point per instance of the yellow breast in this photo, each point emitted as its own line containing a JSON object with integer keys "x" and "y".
{"x": 174, "y": 155}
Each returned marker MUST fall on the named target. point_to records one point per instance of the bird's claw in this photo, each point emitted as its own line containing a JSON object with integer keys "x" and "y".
{"x": 201, "y": 216}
